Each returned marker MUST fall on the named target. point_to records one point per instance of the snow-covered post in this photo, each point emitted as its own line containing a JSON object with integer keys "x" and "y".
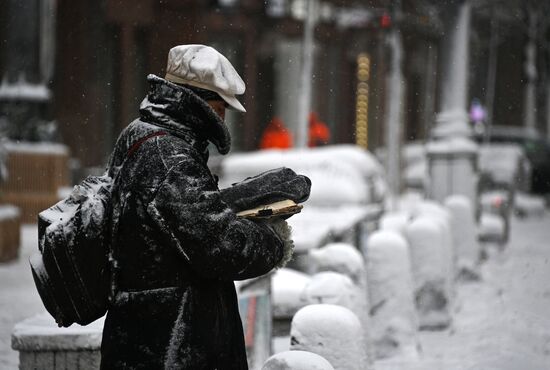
{"x": 442, "y": 217}
{"x": 331, "y": 331}
{"x": 464, "y": 234}
{"x": 335, "y": 288}
{"x": 340, "y": 279}
{"x": 347, "y": 260}
{"x": 431, "y": 287}
{"x": 297, "y": 360}
{"x": 393, "y": 315}
{"x": 287, "y": 287}
{"x": 340, "y": 257}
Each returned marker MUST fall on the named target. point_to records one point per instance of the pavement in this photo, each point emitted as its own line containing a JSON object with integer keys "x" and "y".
{"x": 501, "y": 322}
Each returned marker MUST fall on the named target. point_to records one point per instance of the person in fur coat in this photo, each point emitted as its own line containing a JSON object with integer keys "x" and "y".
{"x": 177, "y": 246}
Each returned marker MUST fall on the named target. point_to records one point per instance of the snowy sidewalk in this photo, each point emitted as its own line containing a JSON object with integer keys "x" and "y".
{"x": 502, "y": 322}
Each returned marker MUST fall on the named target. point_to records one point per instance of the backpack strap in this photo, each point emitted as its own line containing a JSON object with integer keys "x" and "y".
{"x": 115, "y": 215}
{"x": 140, "y": 142}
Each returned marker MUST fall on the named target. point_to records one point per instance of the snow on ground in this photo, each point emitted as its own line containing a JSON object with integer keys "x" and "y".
{"x": 501, "y": 322}
{"x": 18, "y": 296}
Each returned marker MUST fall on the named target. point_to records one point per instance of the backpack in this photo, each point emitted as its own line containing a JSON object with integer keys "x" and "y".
{"x": 72, "y": 271}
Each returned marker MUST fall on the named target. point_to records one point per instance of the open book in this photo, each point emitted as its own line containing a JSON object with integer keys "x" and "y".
{"x": 278, "y": 209}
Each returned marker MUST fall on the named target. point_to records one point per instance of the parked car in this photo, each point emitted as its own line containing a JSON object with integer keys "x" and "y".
{"x": 537, "y": 150}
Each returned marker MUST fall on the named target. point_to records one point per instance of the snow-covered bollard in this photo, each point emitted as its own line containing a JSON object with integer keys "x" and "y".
{"x": 464, "y": 235}
{"x": 331, "y": 331}
{"x": 339, "y": 257}
{"x": 335, "y": 288}
{"x": 296, "y": 360}
{"x": 347, "y": 260}
{"x": 430, "y": 273}
{"x": 442, "y": 217}
{"x": 393, "y": 315}
{"x": 287, "y": 287}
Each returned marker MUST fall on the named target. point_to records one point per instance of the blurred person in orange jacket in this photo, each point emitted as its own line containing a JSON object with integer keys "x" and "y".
{"x": 276, "y": 135}
{"x": 319, "y": 133}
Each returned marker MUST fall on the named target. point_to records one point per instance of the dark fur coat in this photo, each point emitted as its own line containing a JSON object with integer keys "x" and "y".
{"x": 177, "y": 245}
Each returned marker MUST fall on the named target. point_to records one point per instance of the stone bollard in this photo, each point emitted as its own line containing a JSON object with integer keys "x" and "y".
{"x": 392, "y": 308}
{"x": 340, "y": 257}
{"x": 296, "y": 360}
{"x": 442, "y": 217}
{"x": 287, "y": 287}
{"x": 464, "y": 235}
{"x": 347, "y": 260}
{"x": 430, "y": 273}
{"x": 335, "y": 288}
{"x": 333, "y": 332}
{"x": 42, "y": 345}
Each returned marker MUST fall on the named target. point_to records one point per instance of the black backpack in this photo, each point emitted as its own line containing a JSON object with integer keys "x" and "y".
{"x": 72, "y": 271}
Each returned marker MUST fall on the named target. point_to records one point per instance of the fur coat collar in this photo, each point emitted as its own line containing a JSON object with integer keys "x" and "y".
{"x": 182, "y": 112}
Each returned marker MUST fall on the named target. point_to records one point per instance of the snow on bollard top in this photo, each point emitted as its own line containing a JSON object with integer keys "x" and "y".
{"x": 340, "y": 257}
{"x": 287, "y": 287}
{"x": 331, "y": 287}
{"x": 297, "y": 360}
{"x": 331, "y": 331}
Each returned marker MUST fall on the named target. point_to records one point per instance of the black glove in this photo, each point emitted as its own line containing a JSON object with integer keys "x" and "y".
{"x": 268, "y": 187}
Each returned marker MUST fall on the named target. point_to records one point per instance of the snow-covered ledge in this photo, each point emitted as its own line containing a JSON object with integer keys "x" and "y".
{"x": 42, "y": 345}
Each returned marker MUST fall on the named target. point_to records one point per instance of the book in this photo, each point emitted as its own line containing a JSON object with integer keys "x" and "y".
{"x": 283, "y": 208}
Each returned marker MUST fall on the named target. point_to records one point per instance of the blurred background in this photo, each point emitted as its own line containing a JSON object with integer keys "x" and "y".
{"x": 81, "y": 66}
{"x": 388, "y": 98}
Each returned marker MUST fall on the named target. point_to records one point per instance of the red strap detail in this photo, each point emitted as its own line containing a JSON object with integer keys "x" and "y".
{"x": 138, "y": 143}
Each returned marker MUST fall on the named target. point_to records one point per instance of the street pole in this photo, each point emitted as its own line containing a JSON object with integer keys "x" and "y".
{"x": 394, "y": 100}
{"x": 304, "y": 97}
